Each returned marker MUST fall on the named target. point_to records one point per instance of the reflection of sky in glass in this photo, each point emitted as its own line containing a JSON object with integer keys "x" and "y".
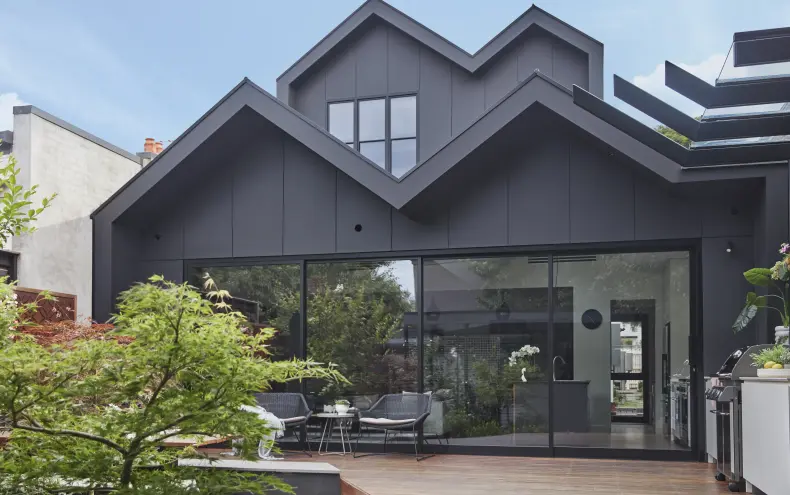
{"x": 740, "y": 141}
{"x": 403, "y": 271}
{"x": 746, "y": 110}
{"x": 731, "y": 74}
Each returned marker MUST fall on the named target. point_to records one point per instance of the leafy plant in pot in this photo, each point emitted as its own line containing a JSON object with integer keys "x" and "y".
{"x": 342, "y": 406}
{"x": 777, "y": 280}
{"x": 773, "y": 362}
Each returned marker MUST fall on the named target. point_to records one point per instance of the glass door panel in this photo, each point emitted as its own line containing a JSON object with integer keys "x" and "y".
{"x": 361, "y": 317}
{"x": 612, "y": 310}
{"x": 485, "y": 351}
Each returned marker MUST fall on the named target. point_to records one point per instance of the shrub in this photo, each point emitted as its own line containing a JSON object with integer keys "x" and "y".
{"x": 93, "y": 405}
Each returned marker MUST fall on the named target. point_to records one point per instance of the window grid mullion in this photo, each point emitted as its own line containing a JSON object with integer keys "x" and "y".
{"x": 356, "y": 125}
{"x": 387, "y": 143}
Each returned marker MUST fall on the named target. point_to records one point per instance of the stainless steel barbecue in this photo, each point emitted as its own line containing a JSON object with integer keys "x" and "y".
{"x": 725, "y": 397}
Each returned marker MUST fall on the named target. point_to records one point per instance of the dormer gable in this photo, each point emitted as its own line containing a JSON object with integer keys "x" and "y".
{"x": 380, "y": 53}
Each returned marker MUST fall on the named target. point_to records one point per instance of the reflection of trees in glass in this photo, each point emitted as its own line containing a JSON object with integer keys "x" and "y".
{"x": 354, "y": 310}
{"x": 267, "y": 294}
{"x": 271, "y": 287}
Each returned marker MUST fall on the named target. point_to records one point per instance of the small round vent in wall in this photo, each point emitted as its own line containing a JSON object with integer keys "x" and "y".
{"x": 592, "y": 319}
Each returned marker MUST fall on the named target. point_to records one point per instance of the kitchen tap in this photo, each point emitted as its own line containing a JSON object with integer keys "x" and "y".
{"x": 554, "y": 366}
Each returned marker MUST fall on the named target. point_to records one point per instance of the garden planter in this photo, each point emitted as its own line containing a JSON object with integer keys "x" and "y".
{"x": 341, "y": 408}
{"x": 781, "y": 335}
{"x": 771, "y": 373}
{"x": 329, "y": 408}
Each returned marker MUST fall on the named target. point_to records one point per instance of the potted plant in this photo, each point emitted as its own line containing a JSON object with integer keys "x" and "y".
{"x": 773, "y": 362}
{"x": 777, "y": 280}
{"x": 524, "y": 359}
{"x": 342, "y": 406}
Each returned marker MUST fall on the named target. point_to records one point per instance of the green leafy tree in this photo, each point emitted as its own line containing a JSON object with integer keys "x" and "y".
{"x": 353, "y": 310}
{"x": 674, "y": 135}
{"x": 17, "y": 211}
{"x": 95, "y": 412}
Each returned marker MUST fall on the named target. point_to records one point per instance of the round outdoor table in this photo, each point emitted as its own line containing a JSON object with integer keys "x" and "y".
{"x": 343, "y": 423}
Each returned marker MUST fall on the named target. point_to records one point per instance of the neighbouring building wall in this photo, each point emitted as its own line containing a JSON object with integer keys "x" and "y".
{"x": 384, "y": 61}
{"x": 83, "y": 173}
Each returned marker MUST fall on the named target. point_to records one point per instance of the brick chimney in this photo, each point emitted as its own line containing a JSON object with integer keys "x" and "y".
{"x": 151, "y": 148}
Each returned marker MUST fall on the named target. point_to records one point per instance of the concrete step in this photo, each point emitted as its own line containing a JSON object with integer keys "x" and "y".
{"x": 306, "y": 478}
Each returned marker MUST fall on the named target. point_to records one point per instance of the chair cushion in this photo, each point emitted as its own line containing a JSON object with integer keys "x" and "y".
{"x": 385, "y": 421}
{"x": 293, "y": 420}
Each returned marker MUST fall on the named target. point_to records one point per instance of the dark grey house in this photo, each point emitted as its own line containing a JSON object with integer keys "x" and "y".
{"x": 436, "y": 212}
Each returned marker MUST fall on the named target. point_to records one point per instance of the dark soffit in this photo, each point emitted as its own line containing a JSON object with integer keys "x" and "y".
{"x": 694, "y": 158}
{"x": 730, "y": 95}
{"x": 761, "y": 51}
{"x": 760, "y": 34}
{"x": 741, "y": 127}
{"x": 534, "y": 16}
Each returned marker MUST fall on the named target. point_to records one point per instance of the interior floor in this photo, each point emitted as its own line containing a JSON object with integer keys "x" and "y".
{"x": 621, "y": 436}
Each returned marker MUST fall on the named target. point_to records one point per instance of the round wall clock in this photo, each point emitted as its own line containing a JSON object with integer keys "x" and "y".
{"x": 592, "y": 319}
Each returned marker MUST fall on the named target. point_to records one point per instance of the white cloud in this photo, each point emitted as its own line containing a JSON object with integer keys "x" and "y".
{"x": 7, "y": 103}
{"x": 707, "y": 70}
{"x": 45, "y": 72}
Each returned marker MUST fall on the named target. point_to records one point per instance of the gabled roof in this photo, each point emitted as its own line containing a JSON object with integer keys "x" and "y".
{"x": 538, "y": 89}
{"x": 377, "y": 9}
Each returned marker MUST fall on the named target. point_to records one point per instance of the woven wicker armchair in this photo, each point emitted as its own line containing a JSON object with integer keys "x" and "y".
{"x": 292, "y": 409}
{"x": 396, "y": 413}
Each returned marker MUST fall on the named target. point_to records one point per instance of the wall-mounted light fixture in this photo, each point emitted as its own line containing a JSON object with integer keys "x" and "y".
{"x": 729, "y": 247}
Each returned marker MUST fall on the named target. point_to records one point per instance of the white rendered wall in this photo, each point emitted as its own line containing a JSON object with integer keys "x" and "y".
{"x": 58, "y": 256}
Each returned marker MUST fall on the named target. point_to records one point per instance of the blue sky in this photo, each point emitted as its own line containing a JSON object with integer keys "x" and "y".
{"x": 129, "y": 70}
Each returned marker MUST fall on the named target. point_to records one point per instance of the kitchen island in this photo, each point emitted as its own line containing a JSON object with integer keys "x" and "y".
{"x": 766, "y": 434}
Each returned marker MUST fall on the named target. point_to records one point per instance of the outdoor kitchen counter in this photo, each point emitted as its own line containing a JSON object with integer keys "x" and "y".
{"x": 766, "y": 434}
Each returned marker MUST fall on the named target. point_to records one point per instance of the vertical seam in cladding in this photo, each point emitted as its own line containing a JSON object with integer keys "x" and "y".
{"x": 337, "y": 199}
{"x": 633, "y": 204}
{"x": 507, "y": 208}
{"x": 282, "y": 189}
{"x": 553, "y": 54}
{"x": 387, "y": 59}
{"x": 392, "y": 226}
{"x": 452, "y": 96}
{"x": 447, "y": 224}
{"x": 419, "y": 99}
{"x": 182, "y": 223}
{"x": 232, "y": 211}
{"x": 569, "y": 157}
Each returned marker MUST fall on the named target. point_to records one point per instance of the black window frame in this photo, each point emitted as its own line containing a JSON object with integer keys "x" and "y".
{"x": 388, "y": 139}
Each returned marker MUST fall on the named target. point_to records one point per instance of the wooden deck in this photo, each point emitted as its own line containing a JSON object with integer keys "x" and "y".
{"x": 475, "y": 475}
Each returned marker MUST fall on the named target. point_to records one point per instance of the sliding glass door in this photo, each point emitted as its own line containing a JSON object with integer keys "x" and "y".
{"x": 485, "y": 351}
{"x": 613, "y": 309}
{"x": 519, "y": 352}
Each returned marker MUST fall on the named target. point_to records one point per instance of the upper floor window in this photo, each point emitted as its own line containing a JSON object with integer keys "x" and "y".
{"x": 383, "y": 129}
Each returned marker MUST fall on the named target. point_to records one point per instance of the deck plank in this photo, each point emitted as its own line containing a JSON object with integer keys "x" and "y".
{"x": 468, "y": 475}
